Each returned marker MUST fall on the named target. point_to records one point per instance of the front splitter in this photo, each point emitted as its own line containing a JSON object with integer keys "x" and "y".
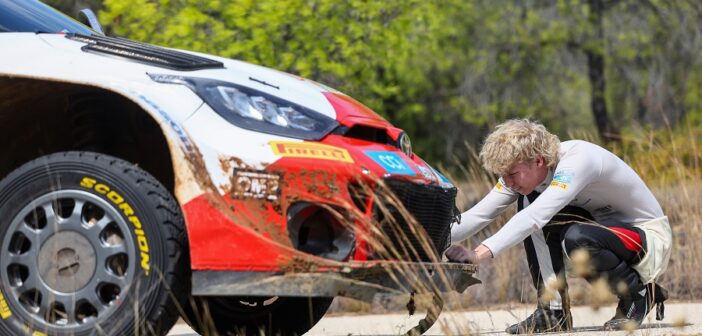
{"x": 358, "y": 280}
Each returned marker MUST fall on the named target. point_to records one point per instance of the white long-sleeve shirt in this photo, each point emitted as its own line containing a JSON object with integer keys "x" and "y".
{"x": 586, "y": 176}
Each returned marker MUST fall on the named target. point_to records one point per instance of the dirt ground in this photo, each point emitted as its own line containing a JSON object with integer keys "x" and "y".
{"x": 680, "y": 319}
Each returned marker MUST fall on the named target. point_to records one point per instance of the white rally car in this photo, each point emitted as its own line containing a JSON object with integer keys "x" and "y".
{"x": 140, "y": 184}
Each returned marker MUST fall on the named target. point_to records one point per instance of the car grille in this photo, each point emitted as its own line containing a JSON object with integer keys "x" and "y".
{"x": 433, "y": 208}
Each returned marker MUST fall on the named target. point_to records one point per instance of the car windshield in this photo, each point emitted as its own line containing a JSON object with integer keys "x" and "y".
{"x": 35, "y": 17}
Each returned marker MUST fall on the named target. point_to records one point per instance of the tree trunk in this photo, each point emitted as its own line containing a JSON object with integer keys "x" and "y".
{"x": 596, "y": 71}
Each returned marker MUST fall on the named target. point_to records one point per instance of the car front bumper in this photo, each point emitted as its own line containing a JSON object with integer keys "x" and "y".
{"x": 357, "y": 280}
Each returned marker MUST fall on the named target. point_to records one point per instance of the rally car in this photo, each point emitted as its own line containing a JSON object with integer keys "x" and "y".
{"x": 141, "y": 183}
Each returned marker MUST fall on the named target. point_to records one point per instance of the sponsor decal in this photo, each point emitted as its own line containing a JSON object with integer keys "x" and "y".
{"x": 499, "y": 186}
{"x": 310, "y": 151}
{"x": 5, "y": 312}
{"x": 442, "y": 179}
{"x": 256, "y": 184}
{"x": 392, "y": 162}
{"x": 128, "y": 212}
{"x": 174, "y": 125}
{"x": 427, "y": 173}
{"x": 563, "y": 176}
{"x": 561, "y": 179}
{"x": 561, "y": 185}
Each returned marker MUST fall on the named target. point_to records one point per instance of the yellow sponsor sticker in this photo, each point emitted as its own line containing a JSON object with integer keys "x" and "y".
{"x": 5, "y": 311}
{"x": 310, "y": 151}
{"x": 558, "y": 184}
{"x": 499, "y": 186}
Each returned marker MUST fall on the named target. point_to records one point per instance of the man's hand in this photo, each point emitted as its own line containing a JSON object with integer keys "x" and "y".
{"x": 459, "y": 253}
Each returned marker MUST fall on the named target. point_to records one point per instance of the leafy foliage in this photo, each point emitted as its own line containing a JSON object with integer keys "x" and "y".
{"x": 447, "y": 71}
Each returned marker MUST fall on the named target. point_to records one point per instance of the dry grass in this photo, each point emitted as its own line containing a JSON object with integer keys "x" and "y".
{"x": 671, "y": 164}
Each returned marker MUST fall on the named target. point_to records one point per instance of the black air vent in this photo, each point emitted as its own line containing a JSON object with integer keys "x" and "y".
{"x": 144, "y": 53}
{"x": 372, "y": 134}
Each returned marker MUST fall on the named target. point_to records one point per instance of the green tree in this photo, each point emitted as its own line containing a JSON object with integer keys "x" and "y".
{"x": 448, "y": 70}
{"x": 627, "y": 62}
{"x": 396, "y": 57}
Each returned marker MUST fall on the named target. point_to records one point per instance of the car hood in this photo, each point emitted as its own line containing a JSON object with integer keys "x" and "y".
{"x": 72, "y": 56}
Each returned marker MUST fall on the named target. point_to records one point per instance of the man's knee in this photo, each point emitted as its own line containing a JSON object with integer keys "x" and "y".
{"x": 577, "y": 236}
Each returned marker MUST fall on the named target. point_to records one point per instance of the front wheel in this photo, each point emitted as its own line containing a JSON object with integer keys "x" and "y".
{"x": 89, "y": 244}
{"x": 227, "y": 315}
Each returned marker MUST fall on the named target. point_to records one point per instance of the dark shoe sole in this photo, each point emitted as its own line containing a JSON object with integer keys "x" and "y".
{"x": 621, "y": 324}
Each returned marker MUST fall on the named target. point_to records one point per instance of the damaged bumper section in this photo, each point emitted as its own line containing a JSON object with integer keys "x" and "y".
{"x": 357, "y": 280}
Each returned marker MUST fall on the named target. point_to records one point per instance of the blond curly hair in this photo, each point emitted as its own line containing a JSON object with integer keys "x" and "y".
{"x": 515, "y": 141}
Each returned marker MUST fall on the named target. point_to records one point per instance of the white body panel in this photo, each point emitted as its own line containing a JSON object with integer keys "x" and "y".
{"x": 182, "y": 114}
{"x": 53, "y": 56}
{"x": 219, "y": 140}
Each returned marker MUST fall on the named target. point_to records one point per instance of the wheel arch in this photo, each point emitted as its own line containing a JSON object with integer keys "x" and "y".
{"x": 40, "y": 117}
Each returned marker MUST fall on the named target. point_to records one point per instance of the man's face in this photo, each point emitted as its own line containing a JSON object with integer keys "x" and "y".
{"x": 523, "y": 177}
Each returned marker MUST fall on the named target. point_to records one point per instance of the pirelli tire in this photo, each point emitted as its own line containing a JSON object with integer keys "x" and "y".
{"x": 254, "y": 316}
{"x": 91, "y": 245}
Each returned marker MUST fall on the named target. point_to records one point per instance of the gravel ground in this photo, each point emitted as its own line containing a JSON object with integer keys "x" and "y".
{"x": 680, "y": 319}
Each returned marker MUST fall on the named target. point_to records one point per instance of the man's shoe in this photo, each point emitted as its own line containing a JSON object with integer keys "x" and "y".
{"x": 541, "y": 321}
{"x": 632, "y": 310}
{"x": 619, "y": 312}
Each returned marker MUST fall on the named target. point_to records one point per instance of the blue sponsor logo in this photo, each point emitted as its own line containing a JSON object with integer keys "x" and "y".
{"x": 428, "y": 174}
{"x": 563, "y": 176}
{"x": 442, "y": 178}
{"x": 392, "y": 162}
{"x": 174, "y": 125}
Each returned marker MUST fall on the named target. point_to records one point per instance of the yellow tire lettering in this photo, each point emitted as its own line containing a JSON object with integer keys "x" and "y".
{"x": 126, "y": 209}
{"x": 101, "y": 188}
{"x": 128, "y": 212}
{"x": 115, "y": 197}
{"x": 143, "y": 244}
{"x": 5, "y": 311}
{"x": 87, "y": 182}
{"x": 135, "y": 221}
{"x": 145, "y": 262}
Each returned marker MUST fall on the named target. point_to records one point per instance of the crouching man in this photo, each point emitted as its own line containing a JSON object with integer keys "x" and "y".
{"x": 571, "y": 196}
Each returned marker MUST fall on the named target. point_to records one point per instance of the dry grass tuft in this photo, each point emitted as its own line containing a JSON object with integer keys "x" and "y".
{"x": 600, "y": 294}
{"x": 581, "y": 263}
{"x": 679, "y": 322}
{"x": 630, "y": 326}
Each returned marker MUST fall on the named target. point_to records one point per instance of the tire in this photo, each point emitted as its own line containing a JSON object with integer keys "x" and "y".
{"x": 90, "y": 245}
{"x": 228, "y": 315}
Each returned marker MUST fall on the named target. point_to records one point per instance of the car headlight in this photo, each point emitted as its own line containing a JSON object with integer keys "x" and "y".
{"x": 255, "y": 110}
